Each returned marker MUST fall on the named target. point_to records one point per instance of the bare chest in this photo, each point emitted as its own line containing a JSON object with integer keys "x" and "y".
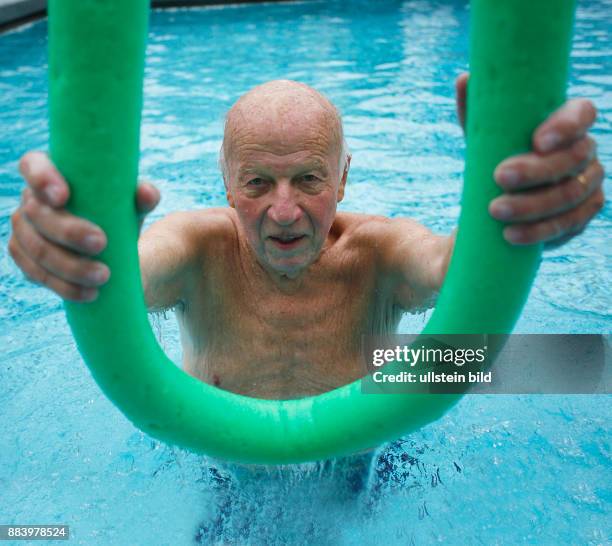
{"x": 271, "y": 344}
{"x": 258, "y": 340}
{"x": 306, "y": 328}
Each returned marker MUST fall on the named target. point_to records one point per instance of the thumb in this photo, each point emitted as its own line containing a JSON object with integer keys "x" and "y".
{"x": 147, "y": 198}
{"x": 461, "y": 94}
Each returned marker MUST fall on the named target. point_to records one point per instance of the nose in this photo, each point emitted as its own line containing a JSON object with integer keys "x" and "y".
{"x": 285, "y": 209}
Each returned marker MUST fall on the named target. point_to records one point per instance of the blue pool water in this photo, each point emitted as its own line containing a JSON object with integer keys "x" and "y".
{"x": 494, "y": 470}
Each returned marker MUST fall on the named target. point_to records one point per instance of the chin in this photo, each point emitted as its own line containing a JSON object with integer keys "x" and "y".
{"x": 290, "y": 268}
{"x": 290, "y": 271}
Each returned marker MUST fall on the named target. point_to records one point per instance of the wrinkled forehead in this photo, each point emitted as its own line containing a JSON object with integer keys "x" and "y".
{"x": 282, "y": 121}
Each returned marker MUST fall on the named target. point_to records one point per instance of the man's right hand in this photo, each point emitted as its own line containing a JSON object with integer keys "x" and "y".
{"x": 53, "y": 247}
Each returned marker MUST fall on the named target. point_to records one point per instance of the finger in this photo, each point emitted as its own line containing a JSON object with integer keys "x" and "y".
{"x": 461, "y": 94}
{"x": 25, "y": 195}
{"x": 530, "y": 170}
{"x": 568, "y": 123}
{"x": 37, "y": 274}
{"x": 147, "y": 198}
{"x": 58, "y": 262}
{"x": 63, "y": 228}
{"x": 554, "y": 243}
{"x": 557, "y": 227}
{"x": 548, "y": 201}
{"x": 44, "y": 179}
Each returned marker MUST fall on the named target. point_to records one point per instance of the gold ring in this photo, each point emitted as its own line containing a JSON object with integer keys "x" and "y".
{"x": 582, "y": 180}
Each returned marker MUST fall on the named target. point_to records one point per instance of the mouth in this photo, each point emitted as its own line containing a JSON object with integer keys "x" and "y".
{"x": 287, "y": 242}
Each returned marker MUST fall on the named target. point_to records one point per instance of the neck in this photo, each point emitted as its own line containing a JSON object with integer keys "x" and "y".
{"x": 286, "y": 282}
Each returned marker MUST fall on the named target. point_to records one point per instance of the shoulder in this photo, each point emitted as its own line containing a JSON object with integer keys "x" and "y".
{"x": 407, "y": 254}
{"x": 193, "y": 232}
{"x": 381, "y": 233}
{"x": 388, "y": 244}
{"x": 357, "y": 228}
{"x": 208, "y": 224}
{"x": 197, "y": 220}
{"x": 211, "y": 231}
{"x": 202, "y": 224}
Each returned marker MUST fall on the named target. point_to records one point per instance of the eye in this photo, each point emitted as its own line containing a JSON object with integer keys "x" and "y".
{"x": 310, "y": 178}
{"x": 256, "y": 182}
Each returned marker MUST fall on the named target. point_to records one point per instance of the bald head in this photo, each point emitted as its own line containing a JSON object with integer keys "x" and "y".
{"x": 275, "y": 113}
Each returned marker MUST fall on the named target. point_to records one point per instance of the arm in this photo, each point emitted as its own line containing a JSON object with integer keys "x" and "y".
{"x": 563, "y": 179}
{"x": 53, "y": 247}
{"x": 415, "y": 260}
{"x": 174, "y": 251}
{"x": 57, "y": 249}
{"x": 168, "y": 253}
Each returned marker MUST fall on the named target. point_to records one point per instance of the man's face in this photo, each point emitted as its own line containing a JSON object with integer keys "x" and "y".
{"x": 284, "y": 183}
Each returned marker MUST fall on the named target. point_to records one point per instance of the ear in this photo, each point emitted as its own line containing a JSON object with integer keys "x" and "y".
{"x": 344, "y": 177}
{"x": 228, "y": 194}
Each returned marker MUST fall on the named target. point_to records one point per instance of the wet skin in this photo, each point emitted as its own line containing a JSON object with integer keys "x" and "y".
{"x": 274, "y": 292}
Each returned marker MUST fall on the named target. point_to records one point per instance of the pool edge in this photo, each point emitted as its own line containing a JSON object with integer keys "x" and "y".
{"x": 14, "y": 13}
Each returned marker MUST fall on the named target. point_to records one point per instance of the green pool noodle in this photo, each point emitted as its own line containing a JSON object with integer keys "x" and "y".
{"x": 519, "y": 52}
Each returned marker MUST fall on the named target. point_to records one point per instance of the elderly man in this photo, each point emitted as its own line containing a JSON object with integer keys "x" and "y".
{"x": 274, "y": 292}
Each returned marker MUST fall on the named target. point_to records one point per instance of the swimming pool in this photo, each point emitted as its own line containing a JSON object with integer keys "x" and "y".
{"x": 496, "y": 469}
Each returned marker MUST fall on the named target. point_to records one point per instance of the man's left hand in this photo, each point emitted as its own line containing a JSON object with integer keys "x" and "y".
{"x": 553, "y": 191}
